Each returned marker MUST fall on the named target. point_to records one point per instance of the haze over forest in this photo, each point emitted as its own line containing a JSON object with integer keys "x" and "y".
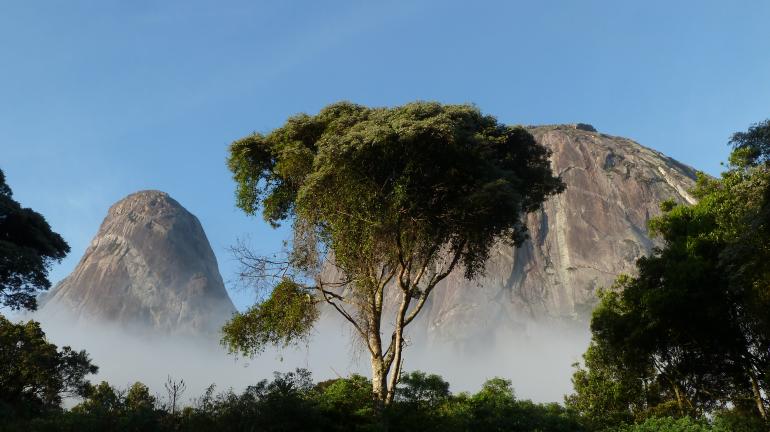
{"x": 364, "y": 191}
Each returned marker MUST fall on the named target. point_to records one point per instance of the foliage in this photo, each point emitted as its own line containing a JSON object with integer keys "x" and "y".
{"x": 283, "y": 404}
{"x": 291, "y": 402}
{"x": 725, "y": 422}
{"x": 386, "y": 199}
{"x": 608, "y": 392}
{"x": 752, "y": 147}
{"x": 28, "y": 247}
{"x": 690, "y": 334}
{"x": 34, "y": 373}
{"x": 737, "y": 420}
{"x": 287, "y": 315}
{"x": 426, "y": 405}
{"x": 347, "y": 403}
{"x": 418, "y": 388}
{"x": 668, "y": 424}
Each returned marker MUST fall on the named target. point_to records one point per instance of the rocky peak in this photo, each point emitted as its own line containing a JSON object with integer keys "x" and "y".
{"x": 150, "y": 265}
{"x": 580, "y": 240}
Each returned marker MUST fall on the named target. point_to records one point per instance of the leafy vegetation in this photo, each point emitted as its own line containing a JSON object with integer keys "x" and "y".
{"x": 292, "y": 402}
{"x": 34, "y": 374}
{"x": 28, "y": 247}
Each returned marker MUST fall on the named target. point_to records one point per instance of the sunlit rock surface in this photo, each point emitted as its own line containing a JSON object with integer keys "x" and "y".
{"x": 579, "y": 242}
{"x": 150, "y": 266}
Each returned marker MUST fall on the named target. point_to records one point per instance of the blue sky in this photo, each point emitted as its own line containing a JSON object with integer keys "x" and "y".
{"x": 100, "y": 99}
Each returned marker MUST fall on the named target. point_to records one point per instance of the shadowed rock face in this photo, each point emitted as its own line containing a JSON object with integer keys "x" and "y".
{"x": 150, "y": 266}
{"x": 579, "y": 242}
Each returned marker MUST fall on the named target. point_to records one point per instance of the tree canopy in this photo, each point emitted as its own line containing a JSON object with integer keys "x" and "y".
{"x": 28, "y": 247}
{"x": 385, "y": 199}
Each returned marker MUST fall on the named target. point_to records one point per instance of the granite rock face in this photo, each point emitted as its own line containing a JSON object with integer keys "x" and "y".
{"x": 579, "y": 241}
{"x": 150, "y": 266}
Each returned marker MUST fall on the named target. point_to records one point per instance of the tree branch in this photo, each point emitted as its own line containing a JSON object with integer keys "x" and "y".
{"x": 432, "y": 284}
{"x": 347, "y": 316}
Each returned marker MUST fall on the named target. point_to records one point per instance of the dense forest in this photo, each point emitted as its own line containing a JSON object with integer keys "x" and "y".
{"x": 681, "y": 345}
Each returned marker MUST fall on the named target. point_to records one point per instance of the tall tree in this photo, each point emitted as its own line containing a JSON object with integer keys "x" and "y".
{"x": 389, "y": 201}
{"x": 28, "y": 247}
{"x": 695, "y": 319}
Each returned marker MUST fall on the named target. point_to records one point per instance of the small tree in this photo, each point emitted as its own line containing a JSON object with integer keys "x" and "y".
{"x": 175, "y": 390}
{"x": 388, "y": 201}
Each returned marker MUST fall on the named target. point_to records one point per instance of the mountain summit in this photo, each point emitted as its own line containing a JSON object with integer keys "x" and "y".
{"x": 580, "y": 240}
{"x": 150, "y": 266}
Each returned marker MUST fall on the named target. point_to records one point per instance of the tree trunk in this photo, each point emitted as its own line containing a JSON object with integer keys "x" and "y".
{"x": 394, "y": 377}
{"x": 758, "y": 397}
{"x": 678, "y": 399}
{"x": 387, "y": 362}
{"x": 398, "y": 346}
{"x": 379, "y": 383}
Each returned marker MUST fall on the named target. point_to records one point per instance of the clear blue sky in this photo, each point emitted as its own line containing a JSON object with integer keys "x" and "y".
{"x": 99, "y": 99}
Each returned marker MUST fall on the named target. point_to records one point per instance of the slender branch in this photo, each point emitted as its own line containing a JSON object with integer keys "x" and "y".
{"x": 401, "y": 284}
{"x": 347, "y": 316}
{"x": 396, "y": 336}
{"x": 440, "y": 276}
{"x": 432, "y": 284}
{"x": 399, "y": 246}
{"x": 374, "y": 297}
{"x": 386, "y": 279}
{"x": 383, "y": 270}
{"x": 427, "y": 262}
{"x": 333, "y": 295}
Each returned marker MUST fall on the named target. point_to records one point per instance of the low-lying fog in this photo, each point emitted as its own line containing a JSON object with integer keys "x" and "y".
{"x": 538, "y": 361}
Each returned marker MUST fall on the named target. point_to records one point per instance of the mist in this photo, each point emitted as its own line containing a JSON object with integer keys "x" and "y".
{"x": 537, "y": 359}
